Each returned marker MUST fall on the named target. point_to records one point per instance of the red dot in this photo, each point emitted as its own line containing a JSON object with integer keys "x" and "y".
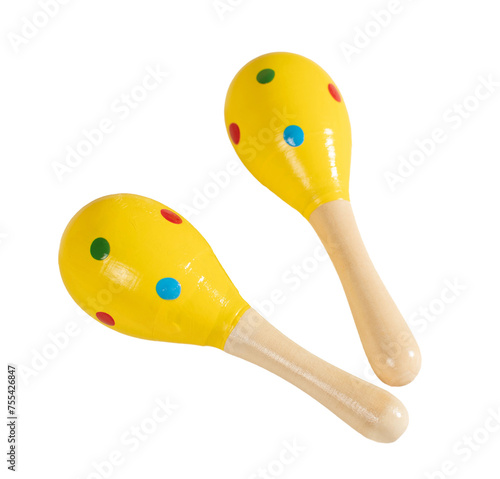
{"x": 105, "y": 318}
{"x": 333, "y": 91}
{"x": 171, "y": 216}
{"x": 234, "y": 131}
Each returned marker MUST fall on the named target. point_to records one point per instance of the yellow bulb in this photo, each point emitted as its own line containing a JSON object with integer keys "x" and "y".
{"x": 143, "y": 270}
{"x": 290, "y": 127}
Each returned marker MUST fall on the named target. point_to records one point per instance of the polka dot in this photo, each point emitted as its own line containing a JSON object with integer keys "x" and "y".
{"x": 99, "y": 249}
{"x": 105, "y": 318}
{"x": 293, "y": 135}
{"x": 168, "y": 288}
{"x": 334, "y": 92}
{"x": 171, "y": 216}
{"x": 234, "y": 132}
{"x": 265, "y": 76}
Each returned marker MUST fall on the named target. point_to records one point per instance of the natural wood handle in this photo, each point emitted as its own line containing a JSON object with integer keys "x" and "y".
{"x": 387, "y": 340}
{"x": 370, "y": 410}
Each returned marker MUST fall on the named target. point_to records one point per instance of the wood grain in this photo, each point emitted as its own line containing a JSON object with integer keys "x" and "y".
{"x": 387, "y": 340}
{"x": 370, "y": 410}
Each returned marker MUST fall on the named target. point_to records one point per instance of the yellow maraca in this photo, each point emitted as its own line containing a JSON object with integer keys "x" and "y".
{"x": 289, "y": 125}
{"x": 143, "y": 270}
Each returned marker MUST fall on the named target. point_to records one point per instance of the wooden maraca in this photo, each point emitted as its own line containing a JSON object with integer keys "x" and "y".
{"x": 289, "y": 125}
{"x": 143, "y": 270}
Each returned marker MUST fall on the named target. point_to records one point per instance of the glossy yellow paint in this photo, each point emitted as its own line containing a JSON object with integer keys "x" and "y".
{"x": 144, "y": 247}
{"x": 304, "y": 176}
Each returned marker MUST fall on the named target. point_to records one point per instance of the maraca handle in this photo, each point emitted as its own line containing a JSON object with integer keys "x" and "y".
{"x": 387, "y": 340}
{"x": 370, "y": 410}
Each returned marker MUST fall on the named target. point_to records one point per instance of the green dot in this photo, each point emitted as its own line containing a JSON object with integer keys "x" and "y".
{"x": 265, "y": 76}
{"x": 99, "y": 249}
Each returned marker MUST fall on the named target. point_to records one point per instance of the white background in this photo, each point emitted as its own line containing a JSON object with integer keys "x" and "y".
{"x": 439, "y": 225}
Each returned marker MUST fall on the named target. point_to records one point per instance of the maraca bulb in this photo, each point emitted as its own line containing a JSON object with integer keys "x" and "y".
{"x": 289, "y": 125}
{"x": 145, "y": 271}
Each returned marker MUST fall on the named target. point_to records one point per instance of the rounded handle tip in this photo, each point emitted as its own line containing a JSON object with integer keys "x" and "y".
{"x": 381, "y": 416}
{"x": 393, "y": 423}
{"x": 398, "y": 370}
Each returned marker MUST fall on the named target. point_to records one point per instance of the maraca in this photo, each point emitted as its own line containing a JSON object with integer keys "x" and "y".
{"x": 143, "y": 270}
{"x": 289, "y": 125}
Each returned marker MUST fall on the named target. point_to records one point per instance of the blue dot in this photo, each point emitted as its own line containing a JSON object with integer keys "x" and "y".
{"x": 168, "y": 288}
{"x": 293, "y": 135}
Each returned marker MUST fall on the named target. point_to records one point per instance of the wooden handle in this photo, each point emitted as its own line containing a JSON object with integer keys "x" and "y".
{"x": 370, "y": 410}
{"x": 387, "y": 340}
